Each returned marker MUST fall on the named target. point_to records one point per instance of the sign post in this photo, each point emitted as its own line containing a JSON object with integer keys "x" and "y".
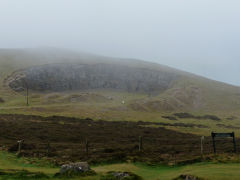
{"x": 234, "y": 143}
{"x": 223, "y": 135}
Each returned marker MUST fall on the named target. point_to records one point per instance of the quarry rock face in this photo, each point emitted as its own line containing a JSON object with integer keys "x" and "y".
{"x": 65, "y": 77}
{"x": 75, "y": 167}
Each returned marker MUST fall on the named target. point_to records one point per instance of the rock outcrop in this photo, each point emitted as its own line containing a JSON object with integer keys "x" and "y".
{"x": 79, "y": 167}
{"x": 65, "y": 77}
{"x": 188, "y": 177}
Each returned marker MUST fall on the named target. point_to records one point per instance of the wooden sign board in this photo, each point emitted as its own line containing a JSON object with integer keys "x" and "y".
{"x": 223, "y": 135}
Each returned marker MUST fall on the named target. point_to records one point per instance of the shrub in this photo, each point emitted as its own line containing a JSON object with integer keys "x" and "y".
{"x": 121, "y": 176}
{"x": 71, "y": 174}
{"x": 24, "y": 175}
{"x": 190, "y": 177}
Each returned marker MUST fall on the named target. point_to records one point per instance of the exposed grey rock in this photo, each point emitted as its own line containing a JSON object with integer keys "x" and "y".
{"x": 120, "y": 175}
{"x": 78, "y": 167}
{"x": 65, "y": 77}
{"x": 188, "y": 177}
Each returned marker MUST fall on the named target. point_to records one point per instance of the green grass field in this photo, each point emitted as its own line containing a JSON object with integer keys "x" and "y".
{"x": 207, "y": 170}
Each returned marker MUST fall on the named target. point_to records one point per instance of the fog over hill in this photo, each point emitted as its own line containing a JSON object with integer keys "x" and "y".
{"x": 49, "y": 70}
{"x": 61, "y": 70}
{"x": 201, "y": 37}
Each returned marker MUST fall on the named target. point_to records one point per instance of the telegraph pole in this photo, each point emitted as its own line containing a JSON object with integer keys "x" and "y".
{"x": 27, "y": 92}
{"x": 27, "y": 97}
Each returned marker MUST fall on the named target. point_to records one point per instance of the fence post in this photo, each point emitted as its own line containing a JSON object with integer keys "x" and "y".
{"x": 202, "y": 141}
{"x": 234, "y": 143}
{"x": 174, "y": 156}
{"x": 86, "y": 146}
{"x": 20, "y": 146}
{"x": 140, "y": 143}
{"x": 48, "y": 148}
{"x": 213, "y": 140}
{"x": 72, "y": 152}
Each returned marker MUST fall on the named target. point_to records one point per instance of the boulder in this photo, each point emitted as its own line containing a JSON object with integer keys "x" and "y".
{"x": 188, "y": 177}
{"x": 78, "y": 167}
{"x": 121, "y": 175}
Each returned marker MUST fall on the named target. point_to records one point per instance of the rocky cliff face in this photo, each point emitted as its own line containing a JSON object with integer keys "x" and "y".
{"x": 65, "y": 77}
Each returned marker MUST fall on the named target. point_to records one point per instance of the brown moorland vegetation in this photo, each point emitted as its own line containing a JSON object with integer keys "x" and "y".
{"x": 107, "y": 141}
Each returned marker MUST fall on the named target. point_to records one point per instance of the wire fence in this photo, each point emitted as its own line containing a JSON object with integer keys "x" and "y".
{"x": 152, "y": 148}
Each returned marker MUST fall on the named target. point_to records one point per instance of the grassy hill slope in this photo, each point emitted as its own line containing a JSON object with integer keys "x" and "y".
{"x": 187, "y": 93}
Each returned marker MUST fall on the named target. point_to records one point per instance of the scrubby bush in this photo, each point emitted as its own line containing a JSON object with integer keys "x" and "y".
{"x": 189, "y": 177}
{"x": 24, "y": 175}
{"x": 72, "y": 174}
{"x": 120, "y": 176}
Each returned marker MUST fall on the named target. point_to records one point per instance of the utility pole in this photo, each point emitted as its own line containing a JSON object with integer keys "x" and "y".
{"x": 27, "y": 92}
{"x": 27, "y": 97}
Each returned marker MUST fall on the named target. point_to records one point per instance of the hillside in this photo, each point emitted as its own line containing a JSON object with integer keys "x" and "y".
{"x": 63, "y": 82}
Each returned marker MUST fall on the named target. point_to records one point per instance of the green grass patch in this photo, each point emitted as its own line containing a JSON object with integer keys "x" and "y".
{"x": 12, "y": 167}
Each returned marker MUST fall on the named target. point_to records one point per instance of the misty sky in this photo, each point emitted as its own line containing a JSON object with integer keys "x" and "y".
{"x": 199, "y": 36}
